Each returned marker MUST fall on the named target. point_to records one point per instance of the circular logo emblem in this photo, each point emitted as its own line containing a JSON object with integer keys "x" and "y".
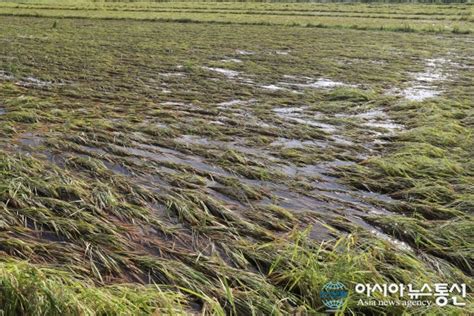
{"x": 333, "y": 295}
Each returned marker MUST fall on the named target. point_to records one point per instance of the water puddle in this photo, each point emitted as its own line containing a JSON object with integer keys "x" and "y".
{"x": 231, "y": 60}
{"x": 224, "y": 146}
{"x": 386, "y": 125}
{"x": 326, "y": 204}
{"x": 342, "y": 140}
{"x": 375, "y": 118}
{"x": 424, "y": 84}
{"x": 397, "y": 243}
{"x": 272, "y": 87}
{"x": 244, "y": 52}
{"x": 172, "y": 74}
{"x": 295, "y": 143}
{"x": 311, "y": 83}
{"x": 295, "y": 114}
{"x": 162, "y": 154}
{"x": 372, "y": 114}
{"x": 305, "y": 83}
{"x": 288, "y": 110}
{"x": 379, "y": 119}
{"x": 328, "y": 196}
{"x": 172, "y": 103}
{"x": 94, "y": 150}
{"x": 118, "y": 169}
{"x": 420, "y": 93}
{"x": 230, "y": 103}
{"x": 32, "y": 82}
{"x": 197, "y": 140}
{"x": 322, "y": 83}
{"x": 226, "y": 72}
{"x": 31, "y": 140}
{"x": 29, "y": 144}
{"x": 217, "y": 123}
{"x": 325, "y": 127}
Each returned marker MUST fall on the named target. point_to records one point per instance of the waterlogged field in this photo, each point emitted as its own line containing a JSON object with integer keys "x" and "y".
{"x": 217, "y": 168}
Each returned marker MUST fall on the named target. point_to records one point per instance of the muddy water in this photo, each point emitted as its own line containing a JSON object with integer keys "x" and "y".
{"x": 327, "y": 198}
{"x": 322, "y": 193}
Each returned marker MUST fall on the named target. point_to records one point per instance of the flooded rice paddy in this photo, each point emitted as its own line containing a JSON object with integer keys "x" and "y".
{"x": 207, "y": 161}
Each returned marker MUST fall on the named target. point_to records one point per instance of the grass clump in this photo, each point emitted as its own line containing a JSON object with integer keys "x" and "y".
{"x": 429, "y": 169}
{"x": 350, "y": 94}
{"x": 28, "y": 289}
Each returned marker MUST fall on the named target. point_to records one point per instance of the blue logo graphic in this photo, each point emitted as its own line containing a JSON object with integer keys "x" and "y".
{"x": 333, "y": 295}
